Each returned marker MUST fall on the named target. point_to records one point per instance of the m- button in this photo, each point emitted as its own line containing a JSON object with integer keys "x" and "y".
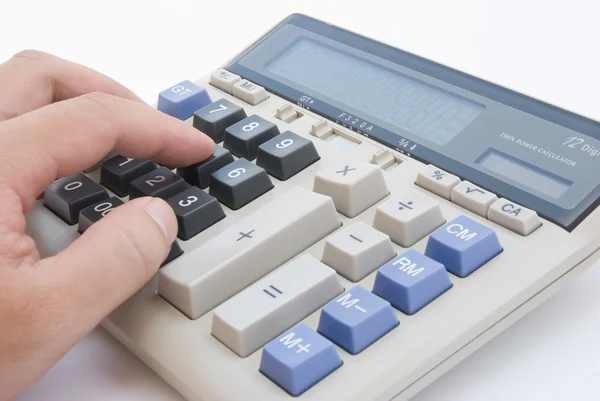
{"x": 473, "y": 198}
{"x": 514, "y": 217}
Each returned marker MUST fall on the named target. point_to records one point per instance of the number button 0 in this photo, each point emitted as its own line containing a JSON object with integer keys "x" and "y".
{"x": 239, "y": 183}
{"x": 68, "y": 196}
{"x": 195, "y": 211}
{"x": 97, "y": 211}
{"x": 244, "y": 137}
{"x": 286, "y": 155}
{"x": 214, "y": 118}
{"x": 160, "y": 183}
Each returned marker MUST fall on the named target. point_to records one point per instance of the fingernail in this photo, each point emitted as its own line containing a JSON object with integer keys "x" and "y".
{"x": 162, "y": 213}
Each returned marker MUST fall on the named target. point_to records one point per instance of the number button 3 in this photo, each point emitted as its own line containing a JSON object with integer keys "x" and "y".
{"x": 160, "y": 183}
{"x": 97, "y": 211}
{"x": 239, "y": 183}
{"x": 195, "y": 211}
{"x": 68, "y": 196}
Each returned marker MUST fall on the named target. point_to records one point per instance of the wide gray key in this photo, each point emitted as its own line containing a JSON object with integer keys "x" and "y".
{"x": 239, "y": 183}
{"x": 286, "y": 155}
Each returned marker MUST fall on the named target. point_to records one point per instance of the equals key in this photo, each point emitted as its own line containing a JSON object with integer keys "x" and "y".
{"x": 273, "y": 291}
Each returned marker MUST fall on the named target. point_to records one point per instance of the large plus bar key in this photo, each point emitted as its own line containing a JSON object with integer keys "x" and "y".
{"x": 240, "y": 255}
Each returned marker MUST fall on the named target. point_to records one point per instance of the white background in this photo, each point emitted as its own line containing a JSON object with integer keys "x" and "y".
{"x": 546, "y": 48}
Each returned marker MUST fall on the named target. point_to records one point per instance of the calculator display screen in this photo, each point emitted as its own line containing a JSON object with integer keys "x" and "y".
{"x": 391, "y": 96}
{"x": 530, "y": 152}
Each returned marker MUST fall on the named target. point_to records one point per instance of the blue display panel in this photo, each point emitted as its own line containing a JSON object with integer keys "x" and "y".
{"x": 435, "y": 114}
{"x": 398, "y": 99}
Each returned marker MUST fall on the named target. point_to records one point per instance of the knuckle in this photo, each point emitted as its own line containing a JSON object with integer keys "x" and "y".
{"x": 98, "y": 103}
{"x": 30, "y": 55}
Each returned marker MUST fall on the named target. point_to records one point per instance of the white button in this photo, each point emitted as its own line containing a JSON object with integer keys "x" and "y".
{"x": 408, "y": 218}
{"x": 358, "y": 250}
{"x": 473, "y": 198}
{"x": 249, "y": 92}
{"x": 383, "y": 158}
{"x": 286, "y": 113}
{"x": 353, "y": 186}
{"x": 321, "y": 129}
{"x": 437, "y": 181}
{"x": 514, "y": 217}
{"x": 224, "y": 80}
{"x": 272, "y": 305}
{"x": 200, "y": 280}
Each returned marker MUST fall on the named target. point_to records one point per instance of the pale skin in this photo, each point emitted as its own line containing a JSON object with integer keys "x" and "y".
{"x": 58, "y": 118}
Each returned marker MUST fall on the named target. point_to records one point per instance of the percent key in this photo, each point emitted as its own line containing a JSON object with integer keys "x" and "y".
{"x": 437, "y": 181}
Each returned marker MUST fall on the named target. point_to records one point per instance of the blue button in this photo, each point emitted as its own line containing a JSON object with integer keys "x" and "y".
{"x": 356, "y": 319}
{"x": 463, "y": 246}
{"x": 411, "y": 281}
{"x": 182, "y": 100}
{"x": 298, "y": 359}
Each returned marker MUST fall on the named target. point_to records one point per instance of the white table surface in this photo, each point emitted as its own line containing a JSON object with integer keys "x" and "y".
{"x": 546, "y": 48}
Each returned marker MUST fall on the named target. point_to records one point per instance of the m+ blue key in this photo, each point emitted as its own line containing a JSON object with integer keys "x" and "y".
{"x": 356, "y": 319}
{"x": 411, "y": 281}
{"x": 298, "y": 359}
{"x": 182, "y": 100}
{"x": 463, "y": 246}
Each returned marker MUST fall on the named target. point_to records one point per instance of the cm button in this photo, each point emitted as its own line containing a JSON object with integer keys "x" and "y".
{"x": 463, "y": 246}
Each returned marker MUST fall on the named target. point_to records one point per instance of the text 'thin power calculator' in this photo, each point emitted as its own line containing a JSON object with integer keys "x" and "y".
{"x": 368, "y": 219}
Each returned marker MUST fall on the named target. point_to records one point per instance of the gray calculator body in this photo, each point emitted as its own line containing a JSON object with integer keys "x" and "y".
{"x": 421, "y": 123}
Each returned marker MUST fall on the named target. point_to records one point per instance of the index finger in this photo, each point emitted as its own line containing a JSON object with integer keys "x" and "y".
{"x": 65, "y": 138}
{"x": 32, "y": 79}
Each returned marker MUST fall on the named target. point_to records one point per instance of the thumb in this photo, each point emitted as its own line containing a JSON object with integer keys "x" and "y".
{"x": 113, "y": 259}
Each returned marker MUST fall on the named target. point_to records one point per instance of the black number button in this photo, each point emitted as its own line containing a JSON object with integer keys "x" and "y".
{"x": 244, "y": 137}
{"x": 286, "y": 155}
{"x": 214, "y": 118}
{"x": 196, "y": 211}
{"x": 174, "y": 253}
{"x": 160, "y": 183}
{"x": 97, "y": 211}
{"x": 68, "y": 196}
{"x": 199, "y": 174}
{"x": 118, "y": 172}
{"x": 239, "y": 183}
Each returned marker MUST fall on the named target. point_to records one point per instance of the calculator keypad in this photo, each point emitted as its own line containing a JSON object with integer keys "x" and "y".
{"x": 214, "y": 118}
{"x": 244, "y": 137}
{"x": 117, "y": 173}
{"x": 239, "y": 183}
{"x": 68, "y": 196}
{"x": 195, "y": 211}
{"x": 97, "y": 211}
{"x": 160, "y": 183}
{"x": 286, "y": 155}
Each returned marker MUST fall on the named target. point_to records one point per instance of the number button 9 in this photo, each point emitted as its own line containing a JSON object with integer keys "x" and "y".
{"x": 286, "y": 155}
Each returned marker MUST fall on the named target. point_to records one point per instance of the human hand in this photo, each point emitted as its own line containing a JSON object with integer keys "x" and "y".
{"x": 56, "y": 119}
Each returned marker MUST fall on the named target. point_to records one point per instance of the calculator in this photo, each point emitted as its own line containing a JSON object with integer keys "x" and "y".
{"x": 368, "y": 219}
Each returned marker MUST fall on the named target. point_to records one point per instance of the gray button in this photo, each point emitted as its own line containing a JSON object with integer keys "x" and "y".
{"x": 215, "y": 117}
{"x": 195, "y": 211}
{"x": 244, "y": 138}
{"x": 286, "y": 155}
{"x": 239, "y": 183}
{"x": 199, "y": 174}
